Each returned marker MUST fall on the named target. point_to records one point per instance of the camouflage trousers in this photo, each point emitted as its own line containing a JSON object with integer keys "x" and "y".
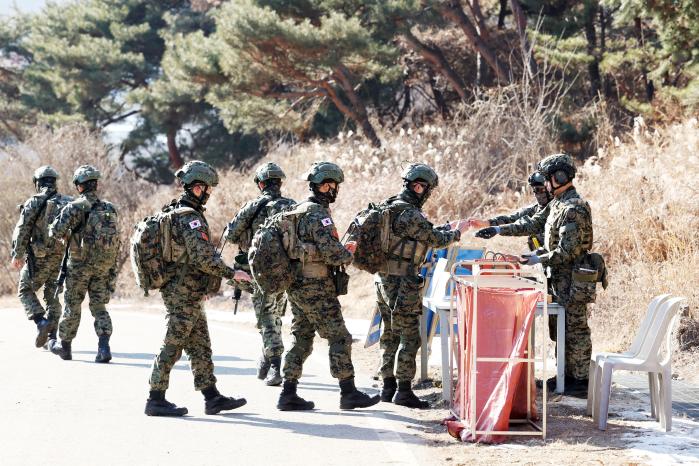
{"x": 85, "y": 279}
{"x": 316, "y": 309}
{"x": 45, "y": 274}
{"x": 578, "y": 344}
{"x": 269, "y": 311}
{"x": 399, "y": 301}
{"x": 186, "y": 330}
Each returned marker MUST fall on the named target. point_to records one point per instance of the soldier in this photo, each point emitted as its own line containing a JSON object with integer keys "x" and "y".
{"x": 543, "y": 197}
{"x": 399, "y": 290}
{"x": 187, "y": 328}
{"x": 37, "y": 255}
{"x": 269, "y": 309}
{"x": 567, "y": 225}
{"x": 313, "y": 295}
{"x": 89, "y": 226}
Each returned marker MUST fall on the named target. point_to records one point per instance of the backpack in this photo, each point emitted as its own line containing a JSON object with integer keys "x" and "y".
{"x": 372, "y": 230}
{"x": 100, "y": 232}
{"x": 48, "y": 211}
{"x": 276, "y": 253}
{"x": 152, "y": 249}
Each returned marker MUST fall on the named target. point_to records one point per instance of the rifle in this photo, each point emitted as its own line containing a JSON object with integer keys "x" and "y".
{"x": 237, "y": 293}
{"x": 64, "y": 271}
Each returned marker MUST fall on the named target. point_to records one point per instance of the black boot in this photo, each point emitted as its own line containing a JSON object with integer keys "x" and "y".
{"x": 215, "y": 402}
{"x": 52, "y": 339}
{"x": 406, "y": 397}
{"x": 389, "y": 389}
{"x": 103, "y": 352}
{"x": 576, "y": 387}
{"x": 550, "y": 384}
{"x": 63, "y": 350}
{"x": 290, "y": 401}
{"x": 263, "y": 367}
{"x": 157, "y": 405}
{"x": 43, "y": 327}
{"x": 274, "y": 376}
{"x": 351, "y": 398}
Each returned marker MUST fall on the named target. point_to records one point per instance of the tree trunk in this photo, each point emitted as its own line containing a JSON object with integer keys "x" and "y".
{"x": 173, "y": 152}
{"x": 591, "y": 36}
{"x": 438, "y": 97}
{"x": 521, "y": 23}
{"x": 475, "y": 8}
{"x": 648, "y": 83}
{"x": 453, "y": 12}
{"x": 502, "y": 13}
{"x": 434, "y": 56}
{"x": 357, "y": 111}
{"x": 406, "y": 105}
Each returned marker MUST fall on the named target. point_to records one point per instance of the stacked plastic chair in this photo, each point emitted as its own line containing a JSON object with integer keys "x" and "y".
{"x": 651, "y": 352}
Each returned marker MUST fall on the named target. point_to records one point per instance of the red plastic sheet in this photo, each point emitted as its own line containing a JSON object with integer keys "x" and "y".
{"x": 504, "y": 320}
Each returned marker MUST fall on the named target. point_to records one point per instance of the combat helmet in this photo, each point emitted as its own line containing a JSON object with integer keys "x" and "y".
{"x": 321, "y": 171}
{"x": 45, "y": 171}
{"x": 420, "y": 171}
{"x": 268, "y": 171}
{"x": 536, "y": 179}
{"x": 85, "y": 173}
{"x": 196, "y": 170}
{"x": 557, "y": 162}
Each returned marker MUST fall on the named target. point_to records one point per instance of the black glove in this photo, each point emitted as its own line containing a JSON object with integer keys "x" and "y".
{"x": 487, "y": 233}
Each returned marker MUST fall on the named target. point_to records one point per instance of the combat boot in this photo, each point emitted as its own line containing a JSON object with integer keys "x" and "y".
{"x": 263, "y": 365}
{"x": 351, "y": 398}
{"x": 290, "y": 401}
{"x": 43, "y": 327}
{"x": 274, "y": 376}
{"x": 157, "y": 405}
{"x": 52, "y": 338}
{"x": 63, "y": 349}
{"x": 103, "y": 352}
{"x": 389, "y": 389}
{"x": 215, "y": 402}
{"x": 406, "y": 397}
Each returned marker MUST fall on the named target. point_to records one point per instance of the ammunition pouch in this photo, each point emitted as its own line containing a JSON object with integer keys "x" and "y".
{"x": 586, "y": 273}
{"x": 405, "y": 256}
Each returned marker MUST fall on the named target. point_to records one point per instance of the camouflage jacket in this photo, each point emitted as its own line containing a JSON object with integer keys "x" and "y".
{"x": 317, "y": 227}
{"x": 191, "y": 230}
{"x": 528, "y": 211}
{"x": 567, "y": 225}
{"x": 32, "y": 227}
{"x": 242, "y": 228}
{"x": 411, "y": 223}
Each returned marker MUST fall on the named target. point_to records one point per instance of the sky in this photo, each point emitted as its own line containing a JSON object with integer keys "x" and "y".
{"x": 26, "y": 6}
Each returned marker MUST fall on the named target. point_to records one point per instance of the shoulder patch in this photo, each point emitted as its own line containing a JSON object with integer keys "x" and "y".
{"x": 194, "y": 224}
{"x": 327, "y": 221}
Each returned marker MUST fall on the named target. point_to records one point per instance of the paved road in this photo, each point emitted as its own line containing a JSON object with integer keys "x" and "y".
{"x": 81, "y": 413}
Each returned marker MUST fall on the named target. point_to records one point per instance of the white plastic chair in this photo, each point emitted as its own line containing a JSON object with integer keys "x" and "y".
{"x": 648, "y": 360}
{"x": 433, "y": 290}
{"x": 632, "y": 352}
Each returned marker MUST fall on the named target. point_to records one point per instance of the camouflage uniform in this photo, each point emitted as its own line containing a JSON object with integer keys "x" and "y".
{"x": 30, "y": 232}
{"x": 269, "y": 309}
{"x": 89, "y": 271}
{"x": 314, "y": 302}
{"x": 567, "y": 225}
{"x": 187, "y": 328}
{"x": 528, "y": 211}
{"x": 399, "y": 297}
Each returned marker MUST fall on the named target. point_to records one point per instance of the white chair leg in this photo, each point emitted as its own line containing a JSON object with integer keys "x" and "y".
{"x": 591, "y": 386}
{"x": 666, "y": 400}
{"x": 653, "y": 389}
{"x": 604, "y": 393}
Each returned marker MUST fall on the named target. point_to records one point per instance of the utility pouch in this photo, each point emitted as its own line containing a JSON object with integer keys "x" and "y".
{"x": 341, "y": 280}
{"x": 583, "y": 286}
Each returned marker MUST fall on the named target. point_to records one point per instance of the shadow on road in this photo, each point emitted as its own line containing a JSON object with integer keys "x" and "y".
{"x": 338, "y": 431}
{"x": 150, "y": 356}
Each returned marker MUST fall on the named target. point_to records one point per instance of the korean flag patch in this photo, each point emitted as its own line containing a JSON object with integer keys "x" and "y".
{"x": 326, "y": 222}
{"x": 194, "y": 224}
